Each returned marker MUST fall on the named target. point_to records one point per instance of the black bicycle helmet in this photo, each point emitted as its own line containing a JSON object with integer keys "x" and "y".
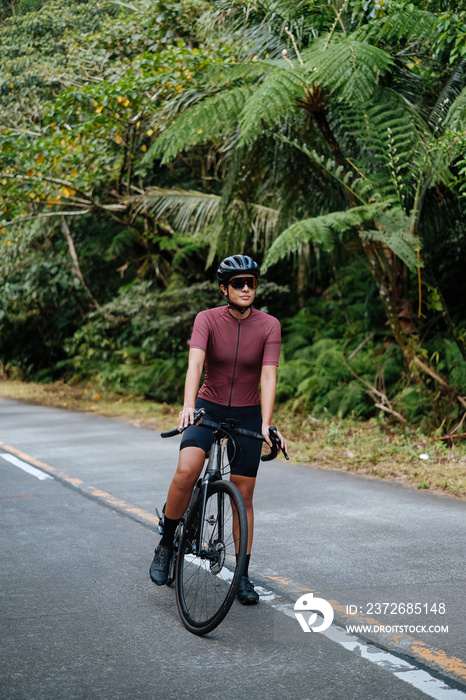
{"x": 234, "y": 265}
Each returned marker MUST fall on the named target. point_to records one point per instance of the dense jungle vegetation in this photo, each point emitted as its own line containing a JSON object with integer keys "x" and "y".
{"x": 142, "y": 141}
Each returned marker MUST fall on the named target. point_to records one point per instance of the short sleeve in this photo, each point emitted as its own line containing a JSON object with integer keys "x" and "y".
{"x": 272, "y": 345}
{"x": 200, "y": 334}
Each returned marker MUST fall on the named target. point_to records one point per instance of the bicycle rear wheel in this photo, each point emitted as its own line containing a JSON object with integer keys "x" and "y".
{"x": 207, "y": 580}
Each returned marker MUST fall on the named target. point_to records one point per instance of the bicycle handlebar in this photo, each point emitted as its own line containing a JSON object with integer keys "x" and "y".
{"x": 225, "y": 427}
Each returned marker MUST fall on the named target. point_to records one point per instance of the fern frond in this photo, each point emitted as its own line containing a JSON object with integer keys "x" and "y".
{"x": 456, "y": 117}
{"x": 213, "y": 118}
{"x": 409, "y": 24}
{"x": 219, "y": 76}
{"x": 320, "y": 230}
{"x": 390, "y": 142}
{"x": 272, "y": 102}
{"x": 450, "y": 93}
{"x": 347, "y": 180}
{"x": 193, "y": 211}
{"x": 393, "y": 231}
{"x": 348, "y": 69}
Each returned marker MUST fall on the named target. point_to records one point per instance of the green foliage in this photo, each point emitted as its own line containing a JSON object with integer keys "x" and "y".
{"x": 349, "y": 70}
{"x": 92, "y": 137}
{"x": 34, "y": 54}
{"x": 205, "y": 121}
{"x": 138, "y": 342}
{"x": 394, "y": 232}
{"x": 318, "y": 374}
{"x": 320, "y": 230}
{"x": 452, "y": 28}
{"x": 454, "y": 365}
{"x": 397, "y": 21}
{"x": 140, "y": 141}
{"x": 39, "y": 301}
{"x": 338, "y": 368}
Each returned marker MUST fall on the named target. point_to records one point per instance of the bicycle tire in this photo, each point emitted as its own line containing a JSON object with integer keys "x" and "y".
{"x": 207, "y": 582}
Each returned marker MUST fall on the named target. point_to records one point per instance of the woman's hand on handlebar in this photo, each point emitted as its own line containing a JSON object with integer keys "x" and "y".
{"x": 266, "y": 436}
{"x": 186, "y": 417}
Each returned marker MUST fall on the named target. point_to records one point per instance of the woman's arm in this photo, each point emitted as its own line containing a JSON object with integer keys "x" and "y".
{"x": 191, "y": 387}
{"x": 268, "y": 390}
{"x": 268, "y": 382}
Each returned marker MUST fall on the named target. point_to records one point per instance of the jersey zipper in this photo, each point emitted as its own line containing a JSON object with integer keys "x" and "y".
{"x": 234, "y": 366}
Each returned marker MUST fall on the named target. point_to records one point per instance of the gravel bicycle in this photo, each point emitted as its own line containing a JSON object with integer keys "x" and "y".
{"x": 210, "y": 542}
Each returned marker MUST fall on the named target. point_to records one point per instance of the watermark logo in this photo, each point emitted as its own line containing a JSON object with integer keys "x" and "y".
{"x": 306, "y": 604}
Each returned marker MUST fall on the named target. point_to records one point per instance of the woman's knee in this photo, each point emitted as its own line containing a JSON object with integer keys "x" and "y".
{"x": 190, "y": 465}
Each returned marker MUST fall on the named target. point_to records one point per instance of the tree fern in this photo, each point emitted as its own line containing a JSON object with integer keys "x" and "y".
{"x": 320, "y": 230}
{"x": 348, "y": 69}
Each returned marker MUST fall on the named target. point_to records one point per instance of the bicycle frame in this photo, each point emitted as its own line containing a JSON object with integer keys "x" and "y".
{"x": 212, "y": 473}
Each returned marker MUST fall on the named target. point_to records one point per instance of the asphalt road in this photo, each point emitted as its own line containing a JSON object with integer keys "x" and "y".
{"x": 80, "y": 618}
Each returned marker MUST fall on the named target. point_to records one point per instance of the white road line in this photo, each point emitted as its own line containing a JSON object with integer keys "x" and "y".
{"x": 26, "y": 467}
{"x": 416, "y": 677}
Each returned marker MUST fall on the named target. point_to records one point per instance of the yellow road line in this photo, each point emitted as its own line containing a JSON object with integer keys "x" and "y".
{"x": 97, "y": 494}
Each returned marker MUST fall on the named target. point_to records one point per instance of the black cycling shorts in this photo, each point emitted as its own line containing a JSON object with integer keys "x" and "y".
{"x": 244, "y": 461}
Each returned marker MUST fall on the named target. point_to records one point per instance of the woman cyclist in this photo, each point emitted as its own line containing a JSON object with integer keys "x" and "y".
{"x": 239, "y": 347}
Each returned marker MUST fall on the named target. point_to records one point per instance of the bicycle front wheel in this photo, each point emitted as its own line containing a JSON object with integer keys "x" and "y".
{"x": 209, "y": 567}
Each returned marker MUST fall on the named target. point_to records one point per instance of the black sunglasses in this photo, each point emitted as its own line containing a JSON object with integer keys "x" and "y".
{"x": 240, "y": 282}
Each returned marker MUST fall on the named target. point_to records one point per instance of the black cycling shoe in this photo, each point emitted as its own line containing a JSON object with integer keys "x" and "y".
{"x": 160, "y": 565}
{"x": 246, "y": 593}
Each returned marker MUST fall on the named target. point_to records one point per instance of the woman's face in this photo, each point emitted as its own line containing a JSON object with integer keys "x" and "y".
{"x": 245, "y": 295}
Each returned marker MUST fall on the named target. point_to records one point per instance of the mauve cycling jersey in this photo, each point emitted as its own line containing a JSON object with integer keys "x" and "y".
{"x": 235, "y": 353}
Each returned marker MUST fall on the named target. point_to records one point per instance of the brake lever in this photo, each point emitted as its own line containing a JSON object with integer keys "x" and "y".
{"x": 273, "y": 432}
{"x": 276, "y": 445}
{"x": 198, "y": 415}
